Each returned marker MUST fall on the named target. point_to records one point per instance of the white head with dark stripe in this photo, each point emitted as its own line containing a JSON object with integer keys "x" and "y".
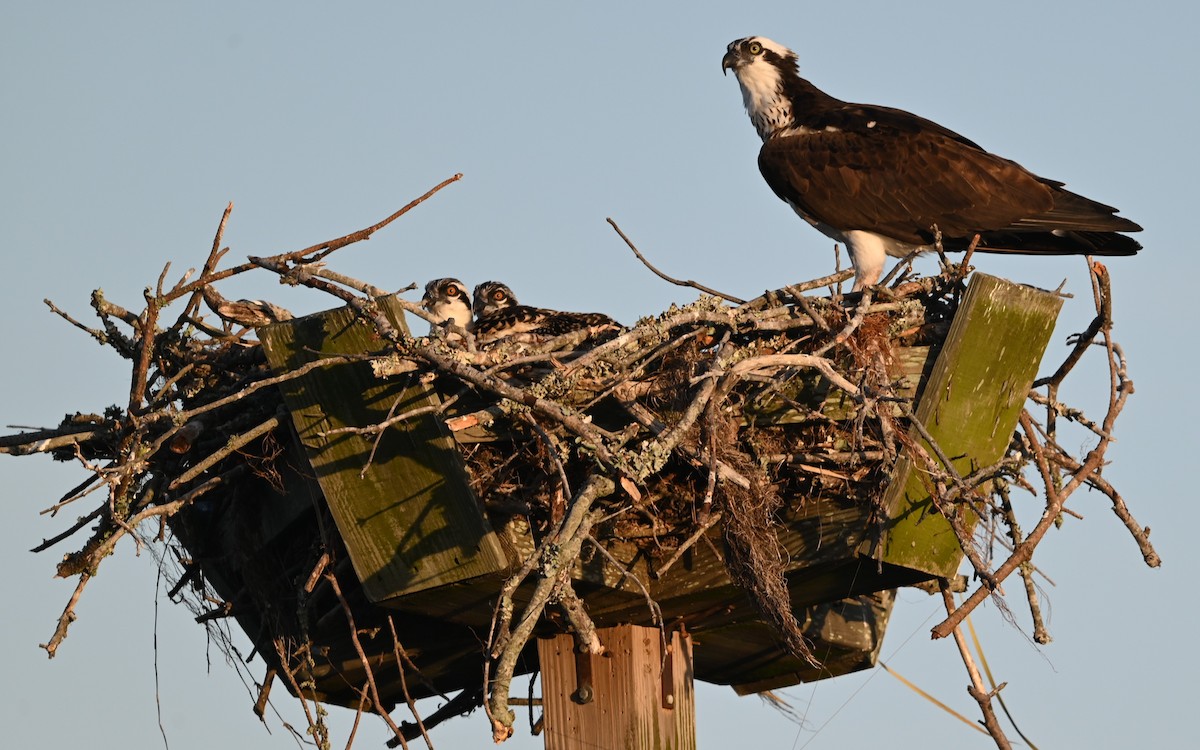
{"x": 446, "y": 299}
{"x": 491, "y": 296}
{"x": 763, "y": 68}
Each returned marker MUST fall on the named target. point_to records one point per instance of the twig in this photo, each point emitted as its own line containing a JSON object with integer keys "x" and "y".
{"x": 1073, "y": 414}
{"x": 368, "y": 289}
{"x": 401, "y": 660}
{"x": 322, "y": 249}
{"x": 1040, "y": 634}
{"x": 648, "y": 420}
{"x": 1022, "y": 552}
{"x": 1081, "y": 342}
{"x": 214, "y": 257}
{"x": 78, "y": 525}
{"x": 860, "y": 314}
{"x": 818, "y": 363}
{"x": 45, "y": 441}
{"x": 101, "y": 546}
{"x": 317, "y": 572}
{"x": 807, "y": 286}
{"x": 668, "y": 279}
{"x": 264, "y": 693}
{"x": 78, "y": 492}
{"x": 465, "y": 702}
{"x": 662, "y": 445}
{"x": 362, "y": 656}
{"x": 913, "y": 687}
{"x": 362, "y": 703}
{"x": 316, "y": 725}
{"x": 976, "y": 688}
{"x": 1141, "y": 534}
{"x": 691, "y": 540}
{"x": 95, "y": 333}
{"x": 553, "y": 449}
{"x": 235, "y": 443}
{"x": 626, "y": 574}
{"x": 146, "y": 330}
{"x": 319, "y": 251}
{"x": 807, "y": 305}
{"x": 67, "y": 617}
{"x": 996, "y": 688}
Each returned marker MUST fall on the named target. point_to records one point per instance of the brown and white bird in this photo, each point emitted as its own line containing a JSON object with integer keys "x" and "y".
{"x": 491, "y": 296}
{"x": 498, "y": 315}
{"x": 447, "y": 302}
{"x": 883, "y": 181}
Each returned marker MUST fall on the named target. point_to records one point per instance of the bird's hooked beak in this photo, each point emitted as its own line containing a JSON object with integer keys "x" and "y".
{"x": 730, "y": 61}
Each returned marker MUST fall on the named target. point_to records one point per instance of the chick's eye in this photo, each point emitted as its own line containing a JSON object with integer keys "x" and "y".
{"x": 452, "y": 291}
{"x": 497, "y": 295}
{"x": 755, "y": 48}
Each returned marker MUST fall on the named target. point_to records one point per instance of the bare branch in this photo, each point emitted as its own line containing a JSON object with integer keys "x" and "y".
{"x": 664, "y": 277}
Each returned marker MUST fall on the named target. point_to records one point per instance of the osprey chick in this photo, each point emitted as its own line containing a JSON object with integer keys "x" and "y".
{"x": 497, "y": 315}
{"x": 446, "y": 300}
{"x": 491, "y": 296}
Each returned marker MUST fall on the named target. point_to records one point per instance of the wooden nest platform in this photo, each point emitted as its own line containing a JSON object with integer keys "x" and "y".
{"x": 776, "y": 485}
{"x": 389, "y": 517}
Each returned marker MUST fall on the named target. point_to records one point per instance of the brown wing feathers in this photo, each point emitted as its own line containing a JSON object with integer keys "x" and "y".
{"x": 900, "y": 184}
{"x": 901, "y": 181}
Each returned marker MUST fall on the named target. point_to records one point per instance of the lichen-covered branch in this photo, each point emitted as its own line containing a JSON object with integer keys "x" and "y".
{"x": 556, "y": 555}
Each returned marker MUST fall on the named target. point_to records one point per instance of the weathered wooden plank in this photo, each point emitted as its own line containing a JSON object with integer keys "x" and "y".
{"x": 403, "y": 505}
{"x": 846, "y": 636}
{"x": 735, "y": 647}
{"x": 821, "y": 536}
{"x": 970, "y": 406}
{"x": 634, "y": 697}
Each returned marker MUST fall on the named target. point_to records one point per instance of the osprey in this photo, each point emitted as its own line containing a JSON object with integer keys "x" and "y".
{"x": 883, "y": 181}
{"x": 499, "y": 315}
{"x": 447, "y": 302}
{"x": 491, "y": 296}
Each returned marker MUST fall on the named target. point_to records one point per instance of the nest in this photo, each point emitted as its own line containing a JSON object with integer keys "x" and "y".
{"x": 711, "y": 423}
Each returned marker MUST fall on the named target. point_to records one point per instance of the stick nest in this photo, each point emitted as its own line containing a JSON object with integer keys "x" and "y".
{"x": 710, "y": 413}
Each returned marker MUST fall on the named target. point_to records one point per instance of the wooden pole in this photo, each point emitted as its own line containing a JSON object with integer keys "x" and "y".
{"x": 638, "y": 695}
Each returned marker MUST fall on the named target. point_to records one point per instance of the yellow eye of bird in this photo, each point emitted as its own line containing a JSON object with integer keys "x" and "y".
{"x": 755, "y": 48}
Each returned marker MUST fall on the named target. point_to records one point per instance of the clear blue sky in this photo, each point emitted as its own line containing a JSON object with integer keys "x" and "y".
{"x": 129, "y": 125}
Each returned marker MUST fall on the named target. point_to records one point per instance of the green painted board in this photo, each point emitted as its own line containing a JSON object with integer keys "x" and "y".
{"x": 410, "y": 521}
{"x": 970, "y": 406}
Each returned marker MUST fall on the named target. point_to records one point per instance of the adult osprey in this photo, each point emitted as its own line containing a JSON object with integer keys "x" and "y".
{"x": 883, "y": 181}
